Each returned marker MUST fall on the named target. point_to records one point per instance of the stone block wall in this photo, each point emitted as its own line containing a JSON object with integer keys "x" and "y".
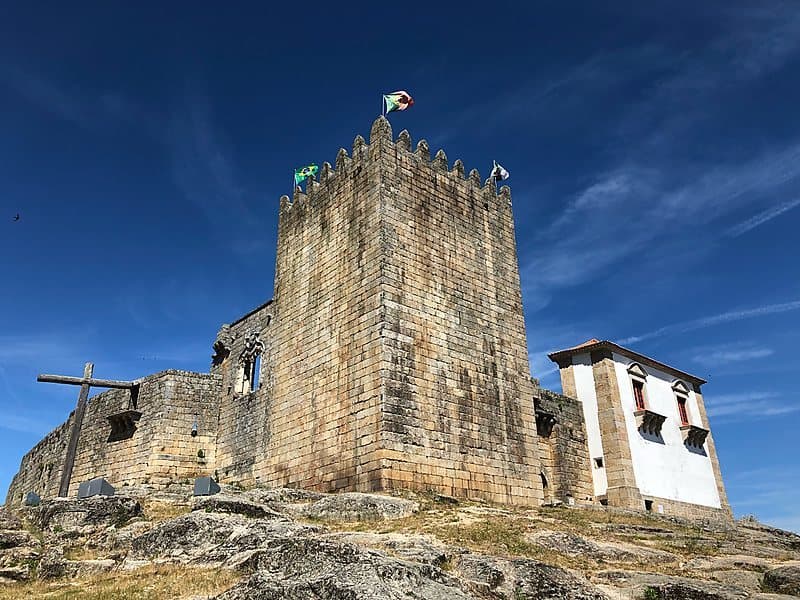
{"x": 40, "y": 469}
{"x": 161, "y": 448}
{"x": 324, "y": 414}
{"x": 457, "y": 412}
{"x": 563, "y": 448}
{"x": 244, "y": 425}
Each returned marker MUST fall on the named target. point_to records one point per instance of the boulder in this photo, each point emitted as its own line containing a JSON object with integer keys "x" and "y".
{"x": 520, "y": 579}
{"x": 283, "y": 496}
{"x": 12, "y": 574}
{"x": 9, "y": 520}
{"x": 307, "y": 567}
{"x": 783, "y": 580}
{"x": 666, "y": 587}
{"x": 91, "y": 513}
{"x": 415, "y": 548}
{"x": 211, "y": 539}
{"x": 574, "y": 545}
{"x": 16, "y": 538}
{"x": 353, "y": 506}
{"x": 221, "y": 503}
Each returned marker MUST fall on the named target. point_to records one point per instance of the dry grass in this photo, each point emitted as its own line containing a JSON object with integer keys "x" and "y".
{"x": 502, "y": 531}
{"x": 157, "y": 511}
{"x": 166, "y": 581}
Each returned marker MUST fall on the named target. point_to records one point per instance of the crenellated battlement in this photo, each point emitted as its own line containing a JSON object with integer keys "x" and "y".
{"x": 381, "y": 147}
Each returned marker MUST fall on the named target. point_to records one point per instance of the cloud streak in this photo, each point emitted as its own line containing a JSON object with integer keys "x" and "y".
{"x": 747, "y": 406}
{"x": 722, "y": 355}
{"x": 762, "y": 218}
{"x": 702, "y": 323}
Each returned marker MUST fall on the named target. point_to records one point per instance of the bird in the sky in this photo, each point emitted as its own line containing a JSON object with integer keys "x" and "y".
{"x": 16, "y": 218}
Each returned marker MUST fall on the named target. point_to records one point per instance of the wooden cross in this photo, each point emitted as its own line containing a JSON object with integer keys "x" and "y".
{"x": 85, "y": 382}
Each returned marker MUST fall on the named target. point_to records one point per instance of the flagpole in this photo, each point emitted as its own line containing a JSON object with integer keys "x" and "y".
{"x": 383, "y": 106}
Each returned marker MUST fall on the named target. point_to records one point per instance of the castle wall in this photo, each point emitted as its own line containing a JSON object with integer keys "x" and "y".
{"x": 244, "y": 414}
{"x": 161, "y": 448}
{"x": 324, "y": 417}
{"x": 563, "y": 450}
{"x": 40, "y": 469}
{"x": 457, "y": 411}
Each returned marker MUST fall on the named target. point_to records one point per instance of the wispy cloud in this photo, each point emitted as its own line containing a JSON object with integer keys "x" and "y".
{"x": 204, "y": 171}
{"x": 726, "y": 317}
{"x": 749, "y": 405}
{"x": 764, "y": 491}
{"x": 22, "y": 424}
{"x": 90, "y": 111}
{"x": 729, "y": 353}
{"x": 762, "y": 218}
{"x": 650, "y": 196}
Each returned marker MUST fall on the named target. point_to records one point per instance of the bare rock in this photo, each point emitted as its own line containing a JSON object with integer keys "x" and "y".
{"x": 210, "y": 538}
{"x": 783, "y": 580}
{"x": 747, "y": 580}
{"x": 730, "y": 561}
{"x": 220, "y": 503}
{"x": 12, "y": 574}
{"x": 416, "y": 548}
{"x": 523, "y": 579}
{"x": 16, "y": 538}
{"x": 570, "y": 544}
{"x": 353, "y": 506}
{"x": 665, "y": 587}
{"x": 306, "y": 568}
{"x": 8, "y": 520}
{"x": 87, "y": 513}
{"x": 283, "y": 496}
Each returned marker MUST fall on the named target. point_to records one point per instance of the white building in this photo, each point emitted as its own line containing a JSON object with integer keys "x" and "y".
{"x": 649, "y": 439}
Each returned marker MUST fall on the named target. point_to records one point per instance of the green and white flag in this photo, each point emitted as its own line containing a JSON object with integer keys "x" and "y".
{"x": 303, "y": 173}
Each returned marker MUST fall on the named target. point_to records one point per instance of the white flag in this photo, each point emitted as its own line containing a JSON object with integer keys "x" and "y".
{"x": 498, "y": 172}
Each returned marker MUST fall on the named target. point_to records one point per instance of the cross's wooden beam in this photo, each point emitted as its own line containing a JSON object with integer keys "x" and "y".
{"x": 104, "y": 383}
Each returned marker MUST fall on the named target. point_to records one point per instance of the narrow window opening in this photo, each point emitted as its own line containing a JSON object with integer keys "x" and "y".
{"x": 544, "y": 480}
{"x": 256, "y": 374}
{"x": 638, "y": 394}
{"x": 598, "y": 462}
{"x": 684, "y": 415}
{"x": 648, "y": 505}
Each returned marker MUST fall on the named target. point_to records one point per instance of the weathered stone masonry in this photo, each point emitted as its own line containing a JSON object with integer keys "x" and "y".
{"x": 161, "y": 449}
{"x": 392, "y": 356}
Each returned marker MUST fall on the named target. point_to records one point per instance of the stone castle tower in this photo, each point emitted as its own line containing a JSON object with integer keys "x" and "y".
{"x": 393, "y": 354}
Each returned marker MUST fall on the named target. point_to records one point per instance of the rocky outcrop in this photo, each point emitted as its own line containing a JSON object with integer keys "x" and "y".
{"x": 71, "y": 514}
{"x": 351, "y": 507}
{"x": 315, "y": 568}
{"x": 783, "y": 580}
{"x": 211, "y": 539}
{"x": 574, "y": 545}
{"x": 375, "y": 547}
{"x": 523, "y": 579}
{"x": 235, "y": 505}
{"x": 19, "y": 550}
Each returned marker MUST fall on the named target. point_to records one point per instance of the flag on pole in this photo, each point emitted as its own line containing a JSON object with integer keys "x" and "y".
{"x": 399, "y": 100}
{"x": 300, "y": 175}
{"x": 498, "y": 172}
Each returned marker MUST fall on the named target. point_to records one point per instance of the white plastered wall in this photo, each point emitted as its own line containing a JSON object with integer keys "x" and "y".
{"x": 670, "y": 469}
{"x": 584, "y": 387}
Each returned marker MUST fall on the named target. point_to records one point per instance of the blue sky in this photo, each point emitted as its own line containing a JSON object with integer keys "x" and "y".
{"x": 654, "y": 151}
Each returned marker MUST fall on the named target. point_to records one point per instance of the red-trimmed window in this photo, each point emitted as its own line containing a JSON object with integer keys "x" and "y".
{"x": 638, "y": 394}
{"x": 684, "y": 415}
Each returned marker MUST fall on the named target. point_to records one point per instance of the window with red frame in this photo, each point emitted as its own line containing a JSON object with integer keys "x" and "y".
{"x": 682, "y": 411}
{"x": 638, "y": 394}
